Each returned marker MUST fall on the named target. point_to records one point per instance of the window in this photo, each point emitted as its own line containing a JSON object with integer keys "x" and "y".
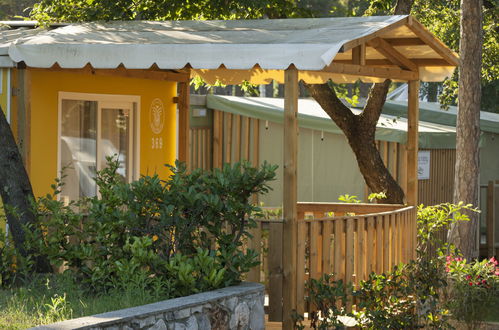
{"x": 91, "y": 128}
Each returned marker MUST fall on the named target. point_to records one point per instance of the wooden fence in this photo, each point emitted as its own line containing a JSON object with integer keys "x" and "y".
{"x": 349, "y": 240}
{"x": 435, "y": 190}
{"x": 232, "y": 138}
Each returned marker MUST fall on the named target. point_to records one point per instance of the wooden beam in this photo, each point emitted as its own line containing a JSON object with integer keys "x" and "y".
{"x": 405, "y": 41}
{"x": 24, "y": 117}
{"x": 370, "y": 71}
{"x": 392, "y": 54}
{"x": 412, "y": 143}
{"x": 359, "y": 55}
{"x": 290, "y": 194}
{"x": 385, "y": 62}
{"x": 381, "y": 32}
{"x": 123, "y": 72}
{"x": 428, "y": 38}
{"x": 183, "y": 123}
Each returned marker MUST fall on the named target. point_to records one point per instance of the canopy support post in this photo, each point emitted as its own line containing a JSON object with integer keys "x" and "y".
{"x": 290, "y": 195}
{"x": 412, "y": 142}
{"x": 183, "y": 123}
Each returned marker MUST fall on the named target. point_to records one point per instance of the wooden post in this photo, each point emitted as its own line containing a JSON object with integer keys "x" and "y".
{"x": 412, "y": 142}
{"x": 183, "y": 123}
{"x": 290, "y": 194}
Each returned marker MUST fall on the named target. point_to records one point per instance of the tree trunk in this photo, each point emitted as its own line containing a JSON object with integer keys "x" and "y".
{"x": 360, "y": 132}
{"x": 360, "y": 129}
{"x": 16, "y": 191}
{"x": 464, "y": 235}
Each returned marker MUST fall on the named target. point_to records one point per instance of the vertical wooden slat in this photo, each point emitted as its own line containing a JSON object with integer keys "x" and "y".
{"x": 402, "y": 169}
{"x": 199, "y": 147}
{"x": 209, "y": 152}
{"x": 290, "y": 194}
{"x": 237, "y": 129}
{"x": 349, "y": 249}
{"x": 412, "y": 142}
{"x": 400, "y": 230}
{"x": 205, "y": 148}
{"x": 405, "y": 235}
{"x": 393, "y": 163}
{"x": 386, "y": 242}
{"x": 247, "y": 138}
{"x": 370, "y": 245}
{"x": 361, "y": 248}
{"x": 192, "y": 152}
{"x": 379, "y": 244}
{"x": 349, "y": 259}
{"x": 326, "y": 247}
{"x": 300, "y": 261}
{"x": 228, "y": 137}
{"x": 255, "y": 243}
{"x": 384, "y": 152}
{"x": 393, "y": 240}
{"x": 184, "y": 142}
{"x": 275, "y": 271}
{"x": 338, "y": 242}
{"x": 217, "y": 138}
{"x": 314, "y": 249}
{"x": 256, "y": 142}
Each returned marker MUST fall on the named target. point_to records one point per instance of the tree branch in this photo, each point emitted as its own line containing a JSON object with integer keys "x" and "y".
{"x": 372, "y": 110}
{"x": 332, "y": 105}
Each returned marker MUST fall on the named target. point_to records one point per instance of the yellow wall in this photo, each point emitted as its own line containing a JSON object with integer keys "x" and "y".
{"x": 4, "y": 91}
{"x": 45, "y": 86}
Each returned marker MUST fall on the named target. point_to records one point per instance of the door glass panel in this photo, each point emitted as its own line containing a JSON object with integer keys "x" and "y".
{"x": 115, "y": 138}
{"x": 78, "y": 148}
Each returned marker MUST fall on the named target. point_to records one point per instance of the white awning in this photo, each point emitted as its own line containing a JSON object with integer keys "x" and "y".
{"x": 308, "y": 44}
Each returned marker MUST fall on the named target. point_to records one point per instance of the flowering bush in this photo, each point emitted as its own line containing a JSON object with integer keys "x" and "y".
{"x": 473, "y": 287}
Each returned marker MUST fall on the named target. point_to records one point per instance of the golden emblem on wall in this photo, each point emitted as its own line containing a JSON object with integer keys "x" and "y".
{"x": 156, "y": 116}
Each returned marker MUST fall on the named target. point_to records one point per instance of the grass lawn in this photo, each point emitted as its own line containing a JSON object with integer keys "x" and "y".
{"x": 51, "y": 299}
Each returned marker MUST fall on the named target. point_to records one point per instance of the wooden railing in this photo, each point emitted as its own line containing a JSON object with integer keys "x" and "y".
{"x": 349, "y": 240}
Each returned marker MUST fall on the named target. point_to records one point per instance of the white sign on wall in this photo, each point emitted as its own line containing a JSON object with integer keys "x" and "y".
{"x": 424, "y": 165}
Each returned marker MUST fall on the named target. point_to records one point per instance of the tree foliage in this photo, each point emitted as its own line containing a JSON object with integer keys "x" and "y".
{"x": 11, "y": 9}
{"x": 441, "y": 17}
{"x": 92, "y": 10}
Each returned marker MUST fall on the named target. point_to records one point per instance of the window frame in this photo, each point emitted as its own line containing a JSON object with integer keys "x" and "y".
{"x": 106, "y": 101}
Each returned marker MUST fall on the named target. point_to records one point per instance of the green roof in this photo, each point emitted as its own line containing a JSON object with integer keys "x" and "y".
{"x": 432, "y": 113}
{"x": 392, "y": 128}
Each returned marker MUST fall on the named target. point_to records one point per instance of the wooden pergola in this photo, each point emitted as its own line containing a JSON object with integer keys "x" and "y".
{"x": 358, "y": 59}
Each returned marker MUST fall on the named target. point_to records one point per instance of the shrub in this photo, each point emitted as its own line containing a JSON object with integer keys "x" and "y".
{"x": 329, "y": 298}
{"x": 387, "y": 301}
{"x": 473, "y": 288}
{"x": 178, "y": 236}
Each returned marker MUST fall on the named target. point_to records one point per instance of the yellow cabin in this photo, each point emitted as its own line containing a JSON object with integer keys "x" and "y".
{"x": 70, "y": 120}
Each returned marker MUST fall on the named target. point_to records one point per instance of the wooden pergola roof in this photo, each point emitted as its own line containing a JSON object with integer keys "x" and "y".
{"x": 342, "y": 49}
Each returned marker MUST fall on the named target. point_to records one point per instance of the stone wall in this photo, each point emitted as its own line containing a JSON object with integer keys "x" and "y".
{"x": 235, "y": 307}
